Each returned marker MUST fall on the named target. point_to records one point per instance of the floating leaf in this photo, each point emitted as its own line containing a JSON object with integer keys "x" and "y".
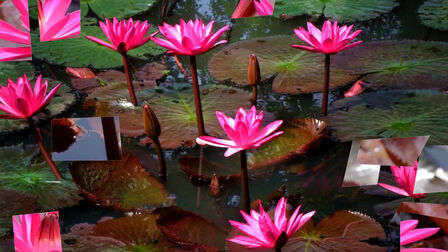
{"x": 342, "y": 231}
{"x": 340, "y": 10}
{"x": 190, "y": 231}
{"x": 204, "y": 169}
{"x": 296, "y": 71}
{"x": 407, "y": 64}
{"x": 15, "y": 69}
{"x": 124, "y": 184}
{"x": 23, "y": 173}
{"x": 434, "y": 13}
{"x": 14, "y": 203}
{"x": 307, "y": 134}
{"x": 60, "y": 103}
{"x": 83, "y": 52}
{"x": 389, "y": 114}
{"x": 175, "y": 111}
{"x": 116, "y": 8}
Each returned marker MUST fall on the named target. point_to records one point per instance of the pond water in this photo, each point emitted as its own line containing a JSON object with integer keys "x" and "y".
{"x": 316, "y": 176}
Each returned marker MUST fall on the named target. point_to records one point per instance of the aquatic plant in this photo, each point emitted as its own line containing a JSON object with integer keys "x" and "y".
{"x": 244, "y": 132}
{"x": 191, "y": 38}
{"x": 153, "y": 131}
{"x": 124, "y": 36}
{"x": 13, "y": 34}
{"x": 33, "y": 232}
{"x": 409, "y": 234}
{"x": 262, "y": 232}
{"x": 20, "y": 101}
{"x": 53, "y": 21}
{"x": 253, "y": 76}
{"x": 405, "y": 177}
{"x": 331, "y": 40}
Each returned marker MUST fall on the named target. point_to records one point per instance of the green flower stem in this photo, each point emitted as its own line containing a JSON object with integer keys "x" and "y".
{"x": 129, "y": 79}
{"x": 245, "y": 182}
{"x": 326, "y": 85}
{"x": 197, "y": 97}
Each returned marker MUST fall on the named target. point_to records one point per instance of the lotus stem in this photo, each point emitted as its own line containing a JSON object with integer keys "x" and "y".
{"x": 326, "y": 85}
{"x": 113, "y": 150}
{"x": 36, "y": 134}
{"x": 278, "y": 250}
{"x": 197, "y": 97}
{"x": 179, "y": 64}
{"x": 254, "y": 95}
{"x": 161, "y": 158}
{"x": 129, "y": 79}
{"x": 162, "y": 15}
{"x": 245, "y": 182}
{"x": 416, "y": 200}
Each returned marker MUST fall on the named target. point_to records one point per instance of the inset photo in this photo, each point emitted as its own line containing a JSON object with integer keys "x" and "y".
{"x": 59, "y": 19}
{"x": 253, "y": 8}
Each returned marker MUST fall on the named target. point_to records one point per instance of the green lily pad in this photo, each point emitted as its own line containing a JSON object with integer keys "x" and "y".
{"x": 81, "y": 52}
{"x": 21, "y": 172}
{"x": 124, "y": 185}
{"x": 340, "y": 10}
{"x": 434, "y": 13}
{"x": 174, "y": 109}
{"x": 190, "y": 231}
{"x": 342, "y": 231}
{"x": 13, "y": 203}
{"x": 15, "y": 69}
{"x": 61, "y": 102}
{"x": 116, "y": 8}
{"x": 296, "y": 71}
{"x": 408, "y": 64}
{"x": 307, "y": 134}
{"x": 388, "y": 114}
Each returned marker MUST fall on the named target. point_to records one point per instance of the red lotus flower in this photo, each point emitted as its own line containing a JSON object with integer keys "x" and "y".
{"x": 405, "y": 177}
{"x": 33, "y": 233}
{"x": 13, "y": 34}
{"x": 244, "y": 131}
{"x": 191, "y": 38}
{"x": 124, "y": 35}
{"x": 263, "y": 233}
{"x": 21, "y": 101}
{"x": 332, "y": 39}
{"x": 54, "y": 23}
{"x": 409, "y": 234}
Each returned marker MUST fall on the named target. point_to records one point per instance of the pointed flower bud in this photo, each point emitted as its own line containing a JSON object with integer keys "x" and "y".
{"x": 151, "y": 123}
{"x": 253, "y": 71}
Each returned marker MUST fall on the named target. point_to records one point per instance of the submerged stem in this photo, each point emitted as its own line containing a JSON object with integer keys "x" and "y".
{"x": 36, "y": 134}
{"x": 129, "y": 79}
{"x": 245, "y": 182}
{"x": 326, "y": 85}
{"x": 197, "y": 97}
{"x": 161, "y": 158}
{"x": 254, "y": 95}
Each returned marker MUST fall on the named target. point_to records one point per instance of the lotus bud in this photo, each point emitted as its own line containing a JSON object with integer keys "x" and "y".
{"x": 253, "y": 71}
{"x": 151, "y": 123}
{"x": 215, "y": 188}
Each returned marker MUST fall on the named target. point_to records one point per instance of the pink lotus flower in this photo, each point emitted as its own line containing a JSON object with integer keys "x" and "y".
{"x": 263, "y": 7}
{"x": 263, "y": 233}
{"x": 124, "y": 35}
{"x": 33, "y": 233}
{"x": 250, "y": 8}
{"x": 356, "y": 89}
{"x": 54, "y": 23}
{"x": 331, "y": 40}
{"x": 191, "y": 38}
{"x": 409, "y": 234}
{"x": 21, "y": 101}
{"x": 244, "y": 131}
{"x": 15, "y": 35}
{"x": 405, "y": 177}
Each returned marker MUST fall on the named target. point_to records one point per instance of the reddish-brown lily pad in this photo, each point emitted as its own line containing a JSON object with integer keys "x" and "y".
{"x": 123, "y": 185}
{"x": 295, "y": 71}
{"x": 342, "y": 231}
{"x": 191, "y": 231}
{"x": 300, "y": 136}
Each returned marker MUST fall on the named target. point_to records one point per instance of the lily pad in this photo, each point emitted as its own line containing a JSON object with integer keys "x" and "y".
{"x": 204, "y": 169}
{"x": 340, "y": 10}
{"x": 174, "y": 109}
{"x": 81, "y": 52}
{"x": 307, "y": 134}
{"x": 61, "y": 102}
{"x": 408, "y": 64}
{"x": 342, "y": 231}
{"x": 117, "y": 8}
{"x": 13, "y": 203}
{"x": 124, "y": 185}
{"x": 389, "y": 114}
{"x": 434, "y": 13}
{"x": 191, "y": 231}
{"x": 21, "y": 172}
{"x": 15, "y": 69}
{"x": 295, "y": 71}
